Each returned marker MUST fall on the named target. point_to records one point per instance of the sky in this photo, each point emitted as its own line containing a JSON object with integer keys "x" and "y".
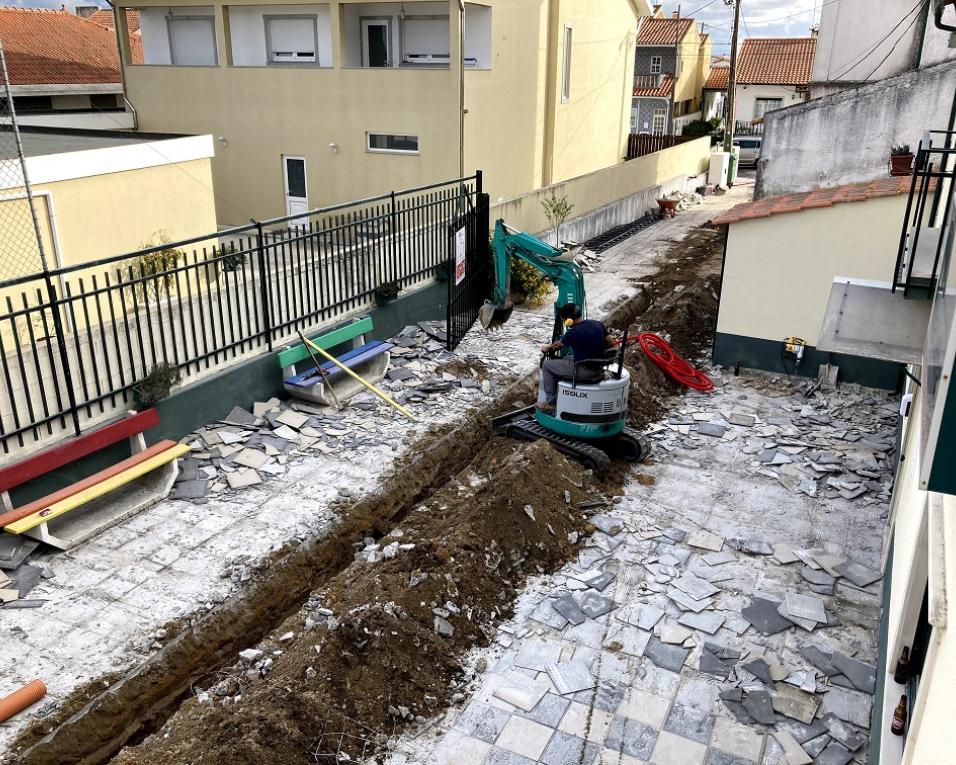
{"x": 761, "y": 18}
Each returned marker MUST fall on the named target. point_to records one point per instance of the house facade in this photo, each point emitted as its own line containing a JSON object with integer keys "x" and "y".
{"x": 772, "y": 73}
{"x": 312, "y": 104}
{"x": 671, "y": 65}
{"x": 64, "y": 70}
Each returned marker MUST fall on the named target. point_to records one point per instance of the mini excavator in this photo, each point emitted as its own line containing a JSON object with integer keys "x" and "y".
{"x": 589, "y": 421}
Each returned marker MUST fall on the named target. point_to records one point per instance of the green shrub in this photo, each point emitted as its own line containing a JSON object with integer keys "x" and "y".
{"x": 527, "y": 279}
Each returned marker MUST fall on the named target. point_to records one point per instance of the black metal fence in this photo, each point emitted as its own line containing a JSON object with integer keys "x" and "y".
{"x": 470, "y": 270}
{"x": 75, "y": 341}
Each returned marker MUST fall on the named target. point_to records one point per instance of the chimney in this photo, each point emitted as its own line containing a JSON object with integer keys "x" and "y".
{"x": 85, "y": 11}
{"x": 814, "y": 30}
{"x": 675, "y": 14}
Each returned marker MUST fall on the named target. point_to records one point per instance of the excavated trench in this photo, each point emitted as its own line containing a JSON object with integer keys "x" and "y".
{"x": 451, "y": 475}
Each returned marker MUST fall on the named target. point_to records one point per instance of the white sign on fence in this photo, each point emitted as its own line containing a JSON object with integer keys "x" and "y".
{"x": 460, "y": 248}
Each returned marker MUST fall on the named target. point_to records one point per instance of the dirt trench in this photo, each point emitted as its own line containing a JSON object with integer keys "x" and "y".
{"x": 368, "y": 654}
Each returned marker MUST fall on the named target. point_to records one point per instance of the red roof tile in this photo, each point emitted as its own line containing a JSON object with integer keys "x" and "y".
{"x": 45, "y": 47}
{"x": 661, "y": 91}
{"x": 808, "y": 200}
{"x": 104, "y": 18}
{"x": 776, "y": 61}
{"x": 653, "y": 31}
{"x": 717, "y": 79}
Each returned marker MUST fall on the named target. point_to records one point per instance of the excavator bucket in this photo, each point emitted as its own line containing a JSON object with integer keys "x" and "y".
{"x": 493, "y": 316}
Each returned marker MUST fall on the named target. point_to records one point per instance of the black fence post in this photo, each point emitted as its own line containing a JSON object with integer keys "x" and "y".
{"x": 264, "y": 286}
{"x": 478, "y": 176}
{"x": 392, "y": 240}
{"x": 61, "y": 347}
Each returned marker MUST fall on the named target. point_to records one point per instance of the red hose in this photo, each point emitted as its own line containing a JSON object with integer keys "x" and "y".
{"x": 670, "y": 363}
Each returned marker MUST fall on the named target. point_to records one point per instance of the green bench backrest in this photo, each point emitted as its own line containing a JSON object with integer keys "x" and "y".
{"x": 300, "y": 352}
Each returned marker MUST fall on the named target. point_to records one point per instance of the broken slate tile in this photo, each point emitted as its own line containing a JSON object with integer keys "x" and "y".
{"x": 24, "y": 579}
{"x": 240, "y": 479}
{"x": 251, "y": 458}
{"x": 814, "y": 746}
{"x": 666, "y": 656}
{"x": 805, "y": 607}
{"x": 537, "y": 655}
{"x": 805, "y": 624}
{"x": 738, "y": 711}
{"x": 834, "y": 754}
{"x": 791, "y": 749}
{"x": 571, "y": 676}
{"x": 718, "y": 558}
{"x": 624, "y": 637}
{"x": 15, "y": 550}
{"x": 601, "y": 582}
{"x": 642, "y": 615}
{"x": 713, "y": 665}
{"x": 711, "y": 429}
{"x": 763, "y": 616}
{"x": 848, "y": 705}
{"x": 751, "y": 546}
{"x": 520, "y": 691}
{"x": 759, "y": 706}
{"x": 607, "y": 524}
{"x": 697, "y": 588}
{"x": 706, "y": 541}
{"x": 794, "y": 703}
{"x": 816, "y": 577}
{"x": 759, "y": 669}
{"x": 848, "y": 735}
{"x": 686, "y": 602}
{"x": 857, "y": 573}
{"x": 860, "y": 674}
{"x": 242, "y": 418}
{"x": 23, "y": 604}
{"x": 706, "y": 621}
{"x": 594, "y": 605}
{"x": 292, "y": 419}
{"x": 196, "y": 489}
{"x": 568, "y": 607}
{"x": 674, "y": 634}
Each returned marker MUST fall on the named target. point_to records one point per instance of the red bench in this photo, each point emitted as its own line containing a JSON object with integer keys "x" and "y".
{"x": 73, "y": 514}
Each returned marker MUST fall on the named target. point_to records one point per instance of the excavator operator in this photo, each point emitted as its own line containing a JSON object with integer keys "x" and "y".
{"x": 587, "y": 339}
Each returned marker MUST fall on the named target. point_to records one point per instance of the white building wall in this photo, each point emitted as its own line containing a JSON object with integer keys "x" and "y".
{"x": 747, "y": 96}
{"x": 155, "y": 31}
{"x": 352, "y": 27}
{"x": 248, "y": 30}
{"x": 856, "y": 35}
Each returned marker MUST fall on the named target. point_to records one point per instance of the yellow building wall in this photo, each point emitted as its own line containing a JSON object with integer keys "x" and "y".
{"x": 779, "y": 270}
{"x": 688, "y": 86}
{"x": 602, "y": 187}
{"x": 704, "y": 53}
{"x": 591, "y": 127}
{"x": 258, "y": 114}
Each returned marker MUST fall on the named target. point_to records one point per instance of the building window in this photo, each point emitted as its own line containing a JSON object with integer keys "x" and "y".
{"x": 764, "y": 105}
{"x": 634, "y": 119}
{"x": 392, "y": 144}
{"x": 659, "y": 122}
{"x": 566, "y": 66}
{"x": 192, "y": 40}
{"x": 655, "y": 64}
{"x": 292, "y": 39}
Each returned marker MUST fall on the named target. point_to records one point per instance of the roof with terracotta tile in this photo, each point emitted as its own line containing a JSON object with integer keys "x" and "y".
{"x": 704, "y": 38}
{"x": 808, "y": 200}
{"x": 717, "y": 79}
{"x": 661, "y": 91}
{"x": 776, "y": 60}
{"x": 45, "y": 47}
{"x": 653, "y": 31}
{"x": 104, "y": 18}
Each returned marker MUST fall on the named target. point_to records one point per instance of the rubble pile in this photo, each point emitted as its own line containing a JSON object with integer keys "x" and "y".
{"x": 20, "y": 573}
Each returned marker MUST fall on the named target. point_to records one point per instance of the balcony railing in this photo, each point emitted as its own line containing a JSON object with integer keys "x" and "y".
{"x": 927, "y": 212}
{"x": 648, "y": 80}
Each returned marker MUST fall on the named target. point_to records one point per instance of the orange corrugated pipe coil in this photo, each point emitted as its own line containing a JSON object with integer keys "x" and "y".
{"x": 19, "y": 700}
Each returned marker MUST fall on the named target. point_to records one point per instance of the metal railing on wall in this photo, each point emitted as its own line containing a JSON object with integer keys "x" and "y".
{"x": 204, "y": 303}
{"x": 641, "y": 144}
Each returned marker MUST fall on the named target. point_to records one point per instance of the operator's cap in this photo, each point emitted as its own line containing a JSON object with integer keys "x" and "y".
{"x": 569, "y": 311}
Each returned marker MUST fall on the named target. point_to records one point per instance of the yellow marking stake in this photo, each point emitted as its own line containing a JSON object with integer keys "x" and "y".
{"x": 87, "y": 495}
{"x": 381, "y": 394}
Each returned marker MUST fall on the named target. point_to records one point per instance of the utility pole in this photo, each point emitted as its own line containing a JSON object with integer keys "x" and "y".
{"x": 732, "y": 79}
{"x": 677, "y": 51}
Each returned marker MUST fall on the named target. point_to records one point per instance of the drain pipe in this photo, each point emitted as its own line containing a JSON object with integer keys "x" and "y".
{"x": 120, "y": 51}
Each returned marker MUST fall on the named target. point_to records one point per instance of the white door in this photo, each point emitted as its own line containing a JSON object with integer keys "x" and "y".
{"x": 376, "y": 46}
{"x": 296, "y": 195}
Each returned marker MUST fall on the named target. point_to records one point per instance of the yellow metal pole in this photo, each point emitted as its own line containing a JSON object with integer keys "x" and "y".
{"x": 381, "y": 394}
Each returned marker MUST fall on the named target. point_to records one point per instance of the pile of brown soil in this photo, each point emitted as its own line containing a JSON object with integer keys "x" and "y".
{"x": 680, "y": 304}
{"x": 371, "y": 651}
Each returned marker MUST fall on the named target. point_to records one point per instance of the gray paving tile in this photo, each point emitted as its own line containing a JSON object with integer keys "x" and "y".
{"x": 503, "y": 757}
{"x": 834, "y": 754}
{"x": 483, "y": 721}
{"x": 716, "y": 757}
{"x": 670, "y": 657}
{"x": 857, "y": 573}
{"x": 759, "y": 707}
{"x": 689, "y": 722}
{"x": 763, "y": 615}
{"x": 607, "y": 696}
{"x": 565, "y": 749}
{"x": 568, "y": 607}
{"x": 859, "y": 673}
{"x": 549, "y": 710}
{"x": 631, "y": 737}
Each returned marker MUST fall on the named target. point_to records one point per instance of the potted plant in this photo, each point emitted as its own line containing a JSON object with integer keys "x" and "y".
{"x": 901, "y": 160}
{"x": 157, "y": 384}
{"x": 386, "y": 293}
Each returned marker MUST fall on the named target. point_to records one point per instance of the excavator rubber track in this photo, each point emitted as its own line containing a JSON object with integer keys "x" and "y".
{"x": 589, "y": 456}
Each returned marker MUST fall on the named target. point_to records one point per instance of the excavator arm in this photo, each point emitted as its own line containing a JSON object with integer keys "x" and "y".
{"x": 557, "y": 266}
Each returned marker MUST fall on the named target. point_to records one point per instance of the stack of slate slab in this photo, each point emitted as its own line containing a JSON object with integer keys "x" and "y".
{"x": 19, "y": 572}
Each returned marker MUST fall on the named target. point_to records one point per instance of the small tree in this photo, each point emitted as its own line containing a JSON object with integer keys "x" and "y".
{"x": 151, "y": 267}
{"x": 557, "y": 209}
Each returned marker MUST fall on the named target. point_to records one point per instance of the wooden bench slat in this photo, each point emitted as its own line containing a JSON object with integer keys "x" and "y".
{"x": 69, "y": 451}
{"x": 325, "y": 341}
{"x": 97, "y": 490}
{"x": 75, "y": 488}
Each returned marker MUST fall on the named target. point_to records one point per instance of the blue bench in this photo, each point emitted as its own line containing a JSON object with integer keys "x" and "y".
{"x": 369, "y": 360}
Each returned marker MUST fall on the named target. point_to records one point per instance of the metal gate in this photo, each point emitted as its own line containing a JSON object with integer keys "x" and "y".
{"x": 470, "y": 268}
